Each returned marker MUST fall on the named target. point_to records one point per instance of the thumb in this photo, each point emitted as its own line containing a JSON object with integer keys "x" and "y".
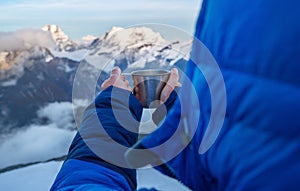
{"x": 171, "y": 84}
{"x": 114, "y": 76}
{"x": 115, "y": 72}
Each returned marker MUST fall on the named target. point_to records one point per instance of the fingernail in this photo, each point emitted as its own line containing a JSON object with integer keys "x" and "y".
{"x": 174, "y": 70}
{"x": 115, "y": 71}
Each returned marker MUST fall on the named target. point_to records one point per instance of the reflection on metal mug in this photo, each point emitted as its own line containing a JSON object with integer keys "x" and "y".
{"x": 148, "y": 85}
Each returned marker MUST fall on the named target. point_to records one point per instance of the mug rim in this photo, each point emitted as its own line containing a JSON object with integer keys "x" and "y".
{"x": 150, "y": 72}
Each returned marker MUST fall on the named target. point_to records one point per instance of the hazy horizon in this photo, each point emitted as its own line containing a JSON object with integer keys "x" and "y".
{"x": 79, "y": 18}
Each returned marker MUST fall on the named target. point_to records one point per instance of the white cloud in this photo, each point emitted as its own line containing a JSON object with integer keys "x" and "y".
{"x": 24, "y": 39}
{"x": 35, "y": 144}
{"x": 40, "y": 142}
{"x": 59, "y": 113}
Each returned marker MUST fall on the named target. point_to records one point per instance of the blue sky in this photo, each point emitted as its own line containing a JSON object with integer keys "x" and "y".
{"x": 81, "y": 17}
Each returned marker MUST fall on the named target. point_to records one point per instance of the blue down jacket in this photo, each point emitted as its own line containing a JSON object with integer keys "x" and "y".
{"x": 85, "y": 167}
{"x": 95, "y": 160}
{"x": 257, "y": 47}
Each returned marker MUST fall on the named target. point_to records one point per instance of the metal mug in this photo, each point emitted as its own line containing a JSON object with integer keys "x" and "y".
{"x": 148, "y": 85}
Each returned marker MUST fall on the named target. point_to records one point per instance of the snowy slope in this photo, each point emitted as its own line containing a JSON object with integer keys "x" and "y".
{"x": 134, "y": 48}
{"x": 34, "y": 178}
{"x": 41, "y": 176}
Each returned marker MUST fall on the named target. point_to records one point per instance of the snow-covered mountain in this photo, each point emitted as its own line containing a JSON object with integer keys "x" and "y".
{"x": 33, "y": 76}
{"x": 63, "y": 42}
{"x": 134, "y": 48}
{"x": 37, "y": 71}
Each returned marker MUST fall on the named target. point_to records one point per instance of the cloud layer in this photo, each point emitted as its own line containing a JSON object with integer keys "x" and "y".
{"x": 40, "y": 142}
{"x": 25, "y": 39}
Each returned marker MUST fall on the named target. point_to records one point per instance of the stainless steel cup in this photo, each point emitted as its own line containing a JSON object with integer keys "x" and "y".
{"x": 148, "y": 85}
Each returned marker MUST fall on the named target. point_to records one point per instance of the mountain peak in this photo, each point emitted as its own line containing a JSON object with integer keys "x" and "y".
{"x": 62, "y": 40}
{"x": 115, "y": 28}
{"x": 52, "y": 28}
{"x": 128, "y": 37}
{"x": 56, "y": 31}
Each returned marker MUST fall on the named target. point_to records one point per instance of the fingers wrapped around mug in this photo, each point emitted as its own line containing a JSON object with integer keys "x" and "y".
{"x": 171, "y": 84}
{"x": 117, "y": 80}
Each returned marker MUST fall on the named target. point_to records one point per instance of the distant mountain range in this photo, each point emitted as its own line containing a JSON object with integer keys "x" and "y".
{"x": 36, "y": 75}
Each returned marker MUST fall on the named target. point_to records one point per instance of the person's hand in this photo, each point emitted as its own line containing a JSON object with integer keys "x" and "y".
{"x": 117, "y": 80}
{"x": 170, "y": 86}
